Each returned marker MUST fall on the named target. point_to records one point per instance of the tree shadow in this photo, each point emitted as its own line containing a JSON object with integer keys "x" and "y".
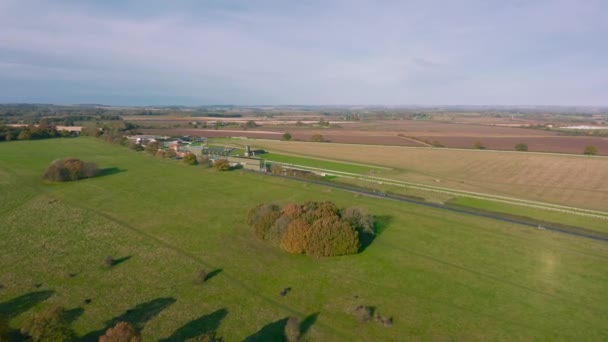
{"x": 16, "y": 306}
{"x": 137, "y": 316}
{"x": 72, "y": 315}
{"x": 202, "y": 325}
{"x": 119, "y": 261}
{"x": 108, "y": 171}
{"x": 308, "y": 322}
{"x": 381, "y": 223}
{"x": 213, "y": 274}
{"x": 274, "y": 331}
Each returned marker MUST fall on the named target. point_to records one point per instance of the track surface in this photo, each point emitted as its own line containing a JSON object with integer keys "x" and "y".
{"x": 443, "y": 207}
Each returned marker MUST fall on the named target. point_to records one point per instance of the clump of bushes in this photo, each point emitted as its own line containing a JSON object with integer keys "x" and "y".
{"x": 313, "y": 228}
{"x": 69, "y": 169}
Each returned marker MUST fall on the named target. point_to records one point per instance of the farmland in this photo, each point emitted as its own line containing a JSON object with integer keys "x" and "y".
{"x": 568, "y": 180}
{"x": 441, "y": 275}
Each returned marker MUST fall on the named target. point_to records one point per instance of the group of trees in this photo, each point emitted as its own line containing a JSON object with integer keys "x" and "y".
{"x": 313, "y": 228}
{"x": 8, "y": 133}
{"x": 69, "y": 169}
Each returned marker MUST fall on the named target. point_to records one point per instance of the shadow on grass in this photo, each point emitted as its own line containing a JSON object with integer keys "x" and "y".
{"x": 108, "y": 171}
{"x": 137, "y": 316}
{"x": 16, "y": 306}
{"x": 119, "y": 261}
{"x": 381, "y": 223}
{"x": 274, "y": 331}
{"x": 213, "y": 274}
{"x": 308, "y": 322}
{"x": 72, "y": 315}
{"x": 197, "y": 327}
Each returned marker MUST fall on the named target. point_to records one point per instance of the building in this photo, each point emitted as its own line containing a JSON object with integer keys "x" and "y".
{"x": 253, "y": 164}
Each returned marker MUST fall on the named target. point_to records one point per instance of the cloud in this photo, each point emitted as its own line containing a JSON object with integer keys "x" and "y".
{"x": 325, "y": 52}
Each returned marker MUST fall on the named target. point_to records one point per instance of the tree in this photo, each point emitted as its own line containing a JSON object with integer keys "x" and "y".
{"x": 48, "y": 325}
{"x": 294, "y": 240}
{"x": 521, "y": 147}
{"x": 329, "y": 236}
{"x": 108, "y": 261}
{"x": 152, "y": 147}
{"x": 286, "y": 136}
{"x": 479, "y": 145}
{"x": 121, "y": 332}
{"x": 317, "y": 138}
{"x": 590, "y": 150}
{"x": 190, "y": 159}
{"x": 24, "y": 135}
{"x": 250, "y": 124}
{"x": 292, "y": 329}
{"x": 222, "y": 165}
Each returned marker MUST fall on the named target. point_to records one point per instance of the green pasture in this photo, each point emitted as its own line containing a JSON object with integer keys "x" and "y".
{"x": 440, "y": 275}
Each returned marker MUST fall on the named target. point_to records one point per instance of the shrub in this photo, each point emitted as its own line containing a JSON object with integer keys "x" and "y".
{"x": 317, "y": 138}
{"x": 201, "y": 276}
{"x": 121, "y": 332}
{"x": 294, "y": 240}
{"x": 262, "y": 217}
{"x": 48, "y": 325}
{"x": 286, "y": 136}
{"x": 190, "y": 159}
{"x": 521, "y": 147}
{"x": 292, "y": 329}
{"x": 364, "y": 313}
{"x": 479, "y": 145}
{"x": 222, "y": 165}
{"x": 69, "y": 169}
{"x": 590, "y": 150}
{"x": 292, "y": 210}
{"x": 108, "y": 261}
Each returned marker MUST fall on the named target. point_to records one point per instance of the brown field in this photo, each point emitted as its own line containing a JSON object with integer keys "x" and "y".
{"x": 569, "y": 180}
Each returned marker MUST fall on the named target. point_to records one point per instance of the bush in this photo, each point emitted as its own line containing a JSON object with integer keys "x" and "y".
{"x": 317, "y": 138}
{"x": 190, "y": 159}
{"x": 292, "y": 329}
{"x": 69, "y": 169}
{"x": 364, "y": 313}
{"x": 152, "y": 147}
{"x": 360, "y": 219}
{"x": 479, "y": 145}
{"x": 201, "y": 276}
{"x": 521, "y": 147}
{"x": 48, "y": 325}
{"x": 590, "y": 150}
{"x": 108, "y": 261}
{"x": 278, "y": 229}
{"x": 286, "y": 136}
{"x": 262, "y": 217}
{"x": 222, "y": 165}
{"x": 121, "y": 332}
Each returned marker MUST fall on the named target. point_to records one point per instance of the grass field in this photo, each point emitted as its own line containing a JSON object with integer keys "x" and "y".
{"x": 441, "y": 275}
{"x": 319, "y": 163}
{"x": 559, "y": 179}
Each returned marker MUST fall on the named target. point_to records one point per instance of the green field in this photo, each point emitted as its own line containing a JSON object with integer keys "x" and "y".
{"x": 439, "y": 274}
{"x": 319, "y": 163}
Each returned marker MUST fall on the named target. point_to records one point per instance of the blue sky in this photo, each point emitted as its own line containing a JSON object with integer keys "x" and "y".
{"x": 305, "y": 52}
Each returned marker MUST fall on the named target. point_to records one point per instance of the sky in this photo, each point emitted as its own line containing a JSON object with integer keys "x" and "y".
{"x": 306, "y": 52}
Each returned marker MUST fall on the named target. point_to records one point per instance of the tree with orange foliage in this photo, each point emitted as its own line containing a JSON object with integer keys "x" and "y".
{"x": 121, "y": 332}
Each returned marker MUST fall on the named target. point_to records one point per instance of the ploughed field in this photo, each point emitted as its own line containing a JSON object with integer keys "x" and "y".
{"x": 570, "y": 180}
{"x": 440, "y": 275}
{"x": 413, "y": 133}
